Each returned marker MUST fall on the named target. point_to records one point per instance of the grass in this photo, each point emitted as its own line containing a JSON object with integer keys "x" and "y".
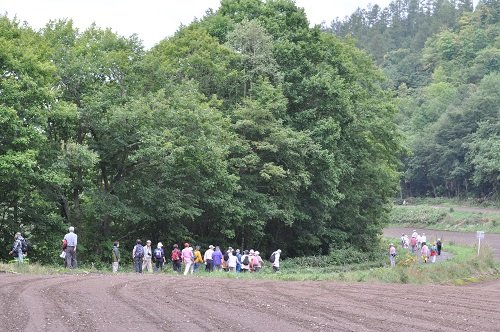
{"x": 444, "y": 219}
{"x": 464, "y": 267}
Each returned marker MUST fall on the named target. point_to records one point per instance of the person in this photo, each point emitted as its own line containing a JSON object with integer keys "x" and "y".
{"x": 402, "y": 240}
{"x": 433, "y": 252}
{"x": 423, "y": 238}
{"x": 392, "y": 254}
{"x": 245, "y": 261}
{"x": 159, "y": 255}
{"x": 238, "y": 261}
{"x": 17, "y": 248}
{"x": 217, "y": 259}
{"x": 209, "y": 259}
{"x": 187, "y": 258}
{"x": 276, "y": 261}
{"x": 232, "y": 261}
{"x": 256, "y": 263}
{"x": 419, "y": 241}
{"x": 138, "y": 256}
{"x": 406, "y": 242}
{"x": 116, "y": 256}
{"x": 225, "y": 259}
{"x": 439, "y": 246}
{"x": 198, "y": 260}
{"x": 147, "y": 264}
{"x": 72, "y": 240}
{"x": 414, "y": 234}
{"x": 413, "y": 244}
{"x": 176, "y": 258}
{"x": 425, "y": 252}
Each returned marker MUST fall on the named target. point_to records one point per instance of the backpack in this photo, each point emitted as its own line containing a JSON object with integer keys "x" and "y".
{"x": 226, "y": 257}
{"x": 139, "y": 250}
{"x": 64, "y": 244}
{"x": 271, "y": 259}
{"x": 24, "y": 245}
{"x": 175, "y": 255}
{"x": 255, "y": 260}
{"x": 245, "y": 260}
{"x": 413, "y": 242}
{"x": 158, "y": 254}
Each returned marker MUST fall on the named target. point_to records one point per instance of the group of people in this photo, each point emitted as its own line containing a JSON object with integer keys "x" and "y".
{"x": 417, "y": 242}
{"x": 214, "y": 259}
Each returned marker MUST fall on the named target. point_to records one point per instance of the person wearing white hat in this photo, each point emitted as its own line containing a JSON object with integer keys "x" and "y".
{"x": 147, "y": 264}
{"x": 159, "y": 255}
{"x": 275, "y": 259}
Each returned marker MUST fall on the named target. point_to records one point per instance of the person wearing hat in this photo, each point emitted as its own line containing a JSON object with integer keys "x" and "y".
{"x": 209, "y": 259}
{"x": 147, "y": 264}
{"x": 256, "y": 262}
{"x": 159, "y": 255}
{"x": 245, "y": 261}
{"x": 392, "y": 254}
{"x": 275, "y": 259}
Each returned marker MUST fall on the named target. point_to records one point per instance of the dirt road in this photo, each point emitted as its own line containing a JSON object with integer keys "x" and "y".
{"x": 129, "y": 302}
{"x": 467, "y": 238}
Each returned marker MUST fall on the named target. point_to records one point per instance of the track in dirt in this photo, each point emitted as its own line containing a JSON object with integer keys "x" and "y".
{"x": 129, "y": 302}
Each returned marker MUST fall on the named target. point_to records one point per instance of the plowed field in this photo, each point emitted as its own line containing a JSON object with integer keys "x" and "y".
{"x": 129, "y": 302}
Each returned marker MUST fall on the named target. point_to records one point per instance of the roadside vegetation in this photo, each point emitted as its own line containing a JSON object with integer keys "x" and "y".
{"x": 463, "y": 266}
{"x": 445, "y": 218}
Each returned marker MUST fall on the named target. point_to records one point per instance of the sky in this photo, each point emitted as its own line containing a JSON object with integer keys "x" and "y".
{"x": 152, "y": 20}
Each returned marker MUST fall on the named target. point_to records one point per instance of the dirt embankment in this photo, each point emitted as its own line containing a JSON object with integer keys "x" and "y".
{"x": 129, "y": 302}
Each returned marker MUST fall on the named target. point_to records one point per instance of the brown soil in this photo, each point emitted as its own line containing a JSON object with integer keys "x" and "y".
{"x": 129, "y": 302}
{"x": 490, "y": 240}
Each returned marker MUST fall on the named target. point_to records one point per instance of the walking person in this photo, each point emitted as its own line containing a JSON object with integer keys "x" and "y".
{"x": 392, "y": 255}
{"x": 232, "y": 261}
{"x": 238, "y": 261}
{"x": 433, "y": 252}
{"x": 147, "y": 262}
{"x": 72, "y": 241}
{"x": 257, "y": 262}
{"x": 198, "y": 260}
{"x": 176, "y": 258}
{"x": 17, "y": 248}
{"x": 116, "y": 256}
{"x": 275, "y": 260}
{"x": 209, "y": 258}
{"x": 138, "y": 256}
{"x": 425, "y": 252}
{"x": 245, "y": 262}
{"x": 439, "y": 246}
{"x": 187, "y": 258}
{"x": 159, "y": 255}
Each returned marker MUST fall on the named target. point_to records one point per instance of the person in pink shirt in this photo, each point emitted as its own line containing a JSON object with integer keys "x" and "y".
{"x": 187, "y": 258}
{"x": 424, "y": 252}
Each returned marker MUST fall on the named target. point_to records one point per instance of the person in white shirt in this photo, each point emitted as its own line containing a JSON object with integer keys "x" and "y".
{"x": 232, "y": 261}
{"x": 208, "y": 258}
{"x": 276, "y": 263}
{"x": 423, "y": 238}
{"x": 147, "y": 264}
{"x": 72, "y": 241}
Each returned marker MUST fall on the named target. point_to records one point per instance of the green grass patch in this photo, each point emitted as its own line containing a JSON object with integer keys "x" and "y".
{"x": 444, "y": 219}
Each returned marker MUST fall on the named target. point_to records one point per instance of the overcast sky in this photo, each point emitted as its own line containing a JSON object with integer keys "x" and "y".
{"x": 152, "y": 20}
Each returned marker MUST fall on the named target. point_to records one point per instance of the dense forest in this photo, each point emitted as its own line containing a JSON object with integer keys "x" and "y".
{"x": 247, "y": 127}
{"x": 442, "y": 59}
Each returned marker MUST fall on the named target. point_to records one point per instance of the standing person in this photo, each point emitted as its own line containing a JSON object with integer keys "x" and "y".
{"x": 238, "y": 261}
{"x": 419, "y": 241}
{"x": 159, "y": 255}
{"x": 257, "y": 262}
{"x": 147, "y": 264}
{"x": 209, "y": 262}
{"x": 433, "y": 252}
{"x": 424, "y": 252}
{"x": 402, "y": 240}
{"x": 17, "y": 248}
{"x": 275, "y": 259}
{"x": 245, "y": 262}
{"x": 187, "y": 258}
{"x": 423, "y": 238}
{"x": 176, "y": 258}
{"x": 414, "y": 234}
{"x": 217, "y": 259}
{"x": 392, "y": 255}
{"x": 439, "y": 246}
{"x": 116, "y": 256}
{"x": 138, "y": 256}
{"x": 198, "y": 260}
{"x": 72, "y": 240}
{"x": 232, "y": 261}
